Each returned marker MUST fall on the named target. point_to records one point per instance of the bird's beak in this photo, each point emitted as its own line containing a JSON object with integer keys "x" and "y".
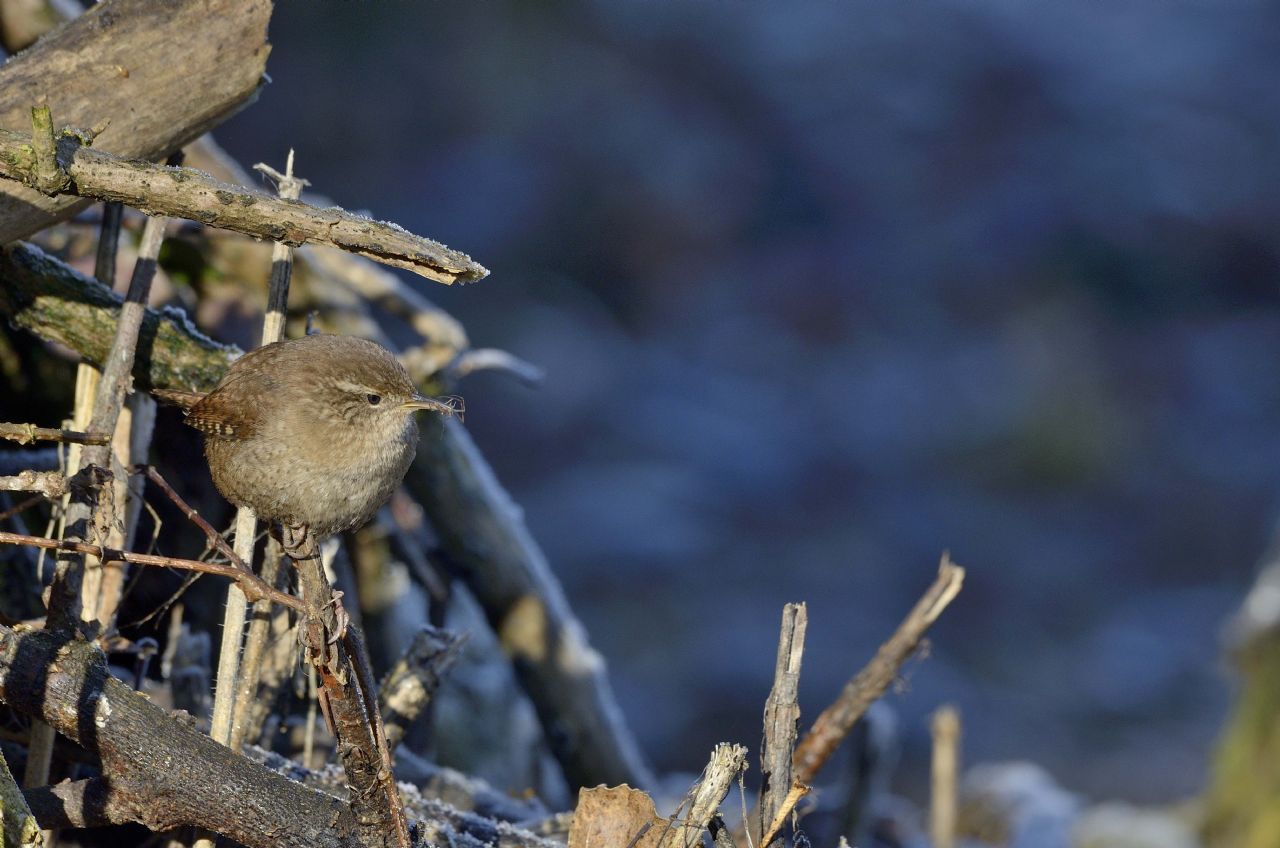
{"x": 445, "y": 406}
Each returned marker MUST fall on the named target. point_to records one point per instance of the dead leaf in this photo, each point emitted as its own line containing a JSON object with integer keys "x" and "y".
{"x": 614, "y": 817}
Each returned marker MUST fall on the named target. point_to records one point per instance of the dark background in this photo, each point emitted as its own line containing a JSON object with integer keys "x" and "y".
{"x": 825, "y": 288}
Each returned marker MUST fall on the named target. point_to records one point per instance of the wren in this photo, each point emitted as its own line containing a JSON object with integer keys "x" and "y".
{"x": 313, "y": 432}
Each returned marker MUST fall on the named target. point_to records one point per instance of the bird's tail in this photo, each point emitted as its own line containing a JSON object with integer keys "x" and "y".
{"x": 185, "y": 400}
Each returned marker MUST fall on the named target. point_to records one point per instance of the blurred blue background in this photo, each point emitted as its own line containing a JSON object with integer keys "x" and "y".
{"x": 825, "y": 288}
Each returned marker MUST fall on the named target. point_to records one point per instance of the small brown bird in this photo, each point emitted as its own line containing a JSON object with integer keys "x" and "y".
{"x": 316, "y": 431}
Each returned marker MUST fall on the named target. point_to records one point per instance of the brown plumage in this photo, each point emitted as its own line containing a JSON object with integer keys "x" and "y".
{"x": 316, "y": 431}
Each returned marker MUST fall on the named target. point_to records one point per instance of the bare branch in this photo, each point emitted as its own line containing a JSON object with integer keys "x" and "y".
{"x": 89, "y": 510}
{"x": 25, "y": 434}
{"x": 795, "y": 792}
{"x": 187, "y": 193}
{"x": 51, "y": 484}
{"x": 835, "y": 722}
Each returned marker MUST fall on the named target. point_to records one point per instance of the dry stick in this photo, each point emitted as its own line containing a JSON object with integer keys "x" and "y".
{"x": 51, "y": 484}
{"x": 237, "y": 685}
{"x": 705, "y": 797}
{"x": 830, "y": 728}
{"x": 25, "y": 434}
{"x": 132, "y": 441}
{"x": 103, "y": 587}
{"x": 781, "y": 713}
{"x": 221, "y": 726}
{"x": 443, "y": 335}
{"x": 375, "y": 799}
{"x": 255, "y": 651}
{"x": 412, "y": 682}
{"x": 65, "y": 601}
{"x": 279, "y": 658}
{"x": 187, "y": 193}
{"x": 943, "y": 771}
{"x": 46, "y": 177}
{"x": 252, "y": 585}
{"x": 796, "y": 791}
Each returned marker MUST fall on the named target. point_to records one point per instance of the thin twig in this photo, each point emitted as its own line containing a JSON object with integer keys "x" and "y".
{"x": 794, "y": 794}
{"x": 222, "y": 726}
{"x": 493, "y": 359}
{"x": 252, "y": 585}
{"x": 21, "y": 506}
{"x": 288, "y": 187}
{"x": 46, "y": 175}
{"x": 25, "y": 434}
{"x": 213, "y": 539}
{"x": 835, "y": 722}
{"x": 255, "y": 650}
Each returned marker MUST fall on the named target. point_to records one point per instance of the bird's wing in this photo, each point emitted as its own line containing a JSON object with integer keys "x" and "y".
{"x": 214, "y": 416}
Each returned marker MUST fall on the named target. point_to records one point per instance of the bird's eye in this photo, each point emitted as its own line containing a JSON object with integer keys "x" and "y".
{"x": 373, "y": 399}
